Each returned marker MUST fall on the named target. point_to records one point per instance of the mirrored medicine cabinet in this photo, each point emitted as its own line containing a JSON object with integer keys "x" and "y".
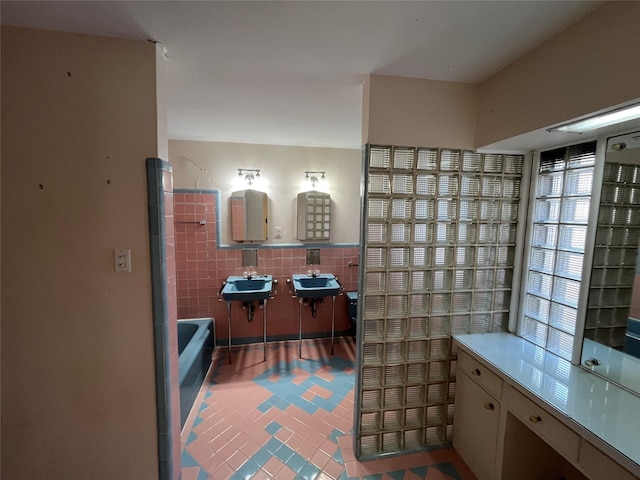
{"x": 249, "y": 216}
{"x": 314, "y": 216}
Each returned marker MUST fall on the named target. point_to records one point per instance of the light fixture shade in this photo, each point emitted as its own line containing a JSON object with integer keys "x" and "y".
{"x": 250, "y": 174}
{"x": 603, "y": 120}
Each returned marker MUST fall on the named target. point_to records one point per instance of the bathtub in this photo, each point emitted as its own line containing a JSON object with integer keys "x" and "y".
{"x": 195, "y": 345}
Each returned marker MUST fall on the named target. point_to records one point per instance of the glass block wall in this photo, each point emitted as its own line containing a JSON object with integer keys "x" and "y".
{"x": 615, "y": 253}
{"x": 559, "y": 231}
{"x": 438, "y": 252}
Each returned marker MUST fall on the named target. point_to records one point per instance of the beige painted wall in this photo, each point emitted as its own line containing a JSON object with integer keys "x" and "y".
{"x": 366, "y": 92}
{"x": 161, "y": 102}
{"x": 209, "y": 165}
{"x": 592, "y": 65}
{"x": 414, "y": 112}
{"x": 78, "y": 395}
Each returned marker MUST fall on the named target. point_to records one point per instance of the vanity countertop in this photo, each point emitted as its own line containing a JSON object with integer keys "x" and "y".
{"x": 603, "y": 409}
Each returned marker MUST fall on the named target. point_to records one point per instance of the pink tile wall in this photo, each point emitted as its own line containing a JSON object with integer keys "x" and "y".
{"x": 201, "y": 268}
{"x": 167, "y": 181}
{"x": 195, "y": 253}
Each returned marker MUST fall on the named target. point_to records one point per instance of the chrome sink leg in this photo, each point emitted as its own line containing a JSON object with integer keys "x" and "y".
{"x": 300, "y": 332}
{"x": 229, "y": 320}
{"x": 264, "y": 331}
{"x": 333, "y": 320}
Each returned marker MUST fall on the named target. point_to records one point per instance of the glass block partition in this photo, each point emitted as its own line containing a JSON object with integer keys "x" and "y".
{"x": 615, "y": 255}
{"x": 438, "y": 253}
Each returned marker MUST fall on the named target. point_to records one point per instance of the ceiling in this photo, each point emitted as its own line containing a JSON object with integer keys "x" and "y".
{"x": 291, "y": 73}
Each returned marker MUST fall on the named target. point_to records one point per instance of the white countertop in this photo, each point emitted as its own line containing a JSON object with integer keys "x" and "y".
{"x": 602, "y": 408}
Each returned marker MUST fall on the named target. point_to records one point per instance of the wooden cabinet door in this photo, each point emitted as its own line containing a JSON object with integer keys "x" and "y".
{"x": 475, "y": 427}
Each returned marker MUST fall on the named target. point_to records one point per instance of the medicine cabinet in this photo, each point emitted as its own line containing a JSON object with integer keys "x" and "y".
{"x": 314, "y": 215}
{"x": 249, "y": 220}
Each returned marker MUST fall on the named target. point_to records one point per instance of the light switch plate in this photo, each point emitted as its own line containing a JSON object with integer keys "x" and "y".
{"x": 122, "y": 260}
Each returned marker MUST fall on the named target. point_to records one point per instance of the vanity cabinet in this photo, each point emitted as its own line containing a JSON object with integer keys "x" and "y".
{"x": 476, "y": 420}
{"x": 564, "y": 440}
{"x": 597, "y": 465}
{"x": 513, "y": 421}
{"x": 527, "y": 456}
{"x": 537, "y": 445}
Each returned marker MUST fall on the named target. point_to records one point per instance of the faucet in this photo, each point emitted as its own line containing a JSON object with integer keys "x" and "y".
{"x": 219, "y": 294}
{"x": 292, "y": 291}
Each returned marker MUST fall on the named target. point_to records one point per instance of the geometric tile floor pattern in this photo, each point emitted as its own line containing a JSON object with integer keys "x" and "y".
{"x": 290, "y": 418}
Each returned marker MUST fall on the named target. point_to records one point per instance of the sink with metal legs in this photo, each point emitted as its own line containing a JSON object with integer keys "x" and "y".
{"x": 311, "y": 290}
{"x": 248, "y": 290}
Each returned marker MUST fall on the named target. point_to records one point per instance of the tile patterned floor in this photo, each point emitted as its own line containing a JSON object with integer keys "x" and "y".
{"x": 290, "y": 418}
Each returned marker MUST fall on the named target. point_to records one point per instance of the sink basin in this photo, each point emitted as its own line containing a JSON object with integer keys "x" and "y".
{"x": 247, "y": 290}
{"x": 323, "y": 285}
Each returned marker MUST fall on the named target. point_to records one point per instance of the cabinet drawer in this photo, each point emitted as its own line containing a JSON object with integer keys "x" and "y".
{"x": 553, "y": 431}
{"x": 598, "y": 465}
{"x": 480, "y": 374}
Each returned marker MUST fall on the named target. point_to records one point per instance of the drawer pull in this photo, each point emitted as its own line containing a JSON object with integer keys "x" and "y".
{"x": 489, "y": 406}
{"x": 535, "y": 419}
{"x": 476, "y": 372}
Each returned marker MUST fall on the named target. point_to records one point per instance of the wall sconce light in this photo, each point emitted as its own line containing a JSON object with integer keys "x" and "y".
{"x": 249, "y": 174}
{"x": 313, "y": 177}
{"x": 605, "y": 119}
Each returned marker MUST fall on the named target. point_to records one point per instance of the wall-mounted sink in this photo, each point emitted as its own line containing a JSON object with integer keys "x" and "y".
{"x": 310, "y": 290}
{"x": 247, "y": 289}
{"x": 322, "y": 285}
